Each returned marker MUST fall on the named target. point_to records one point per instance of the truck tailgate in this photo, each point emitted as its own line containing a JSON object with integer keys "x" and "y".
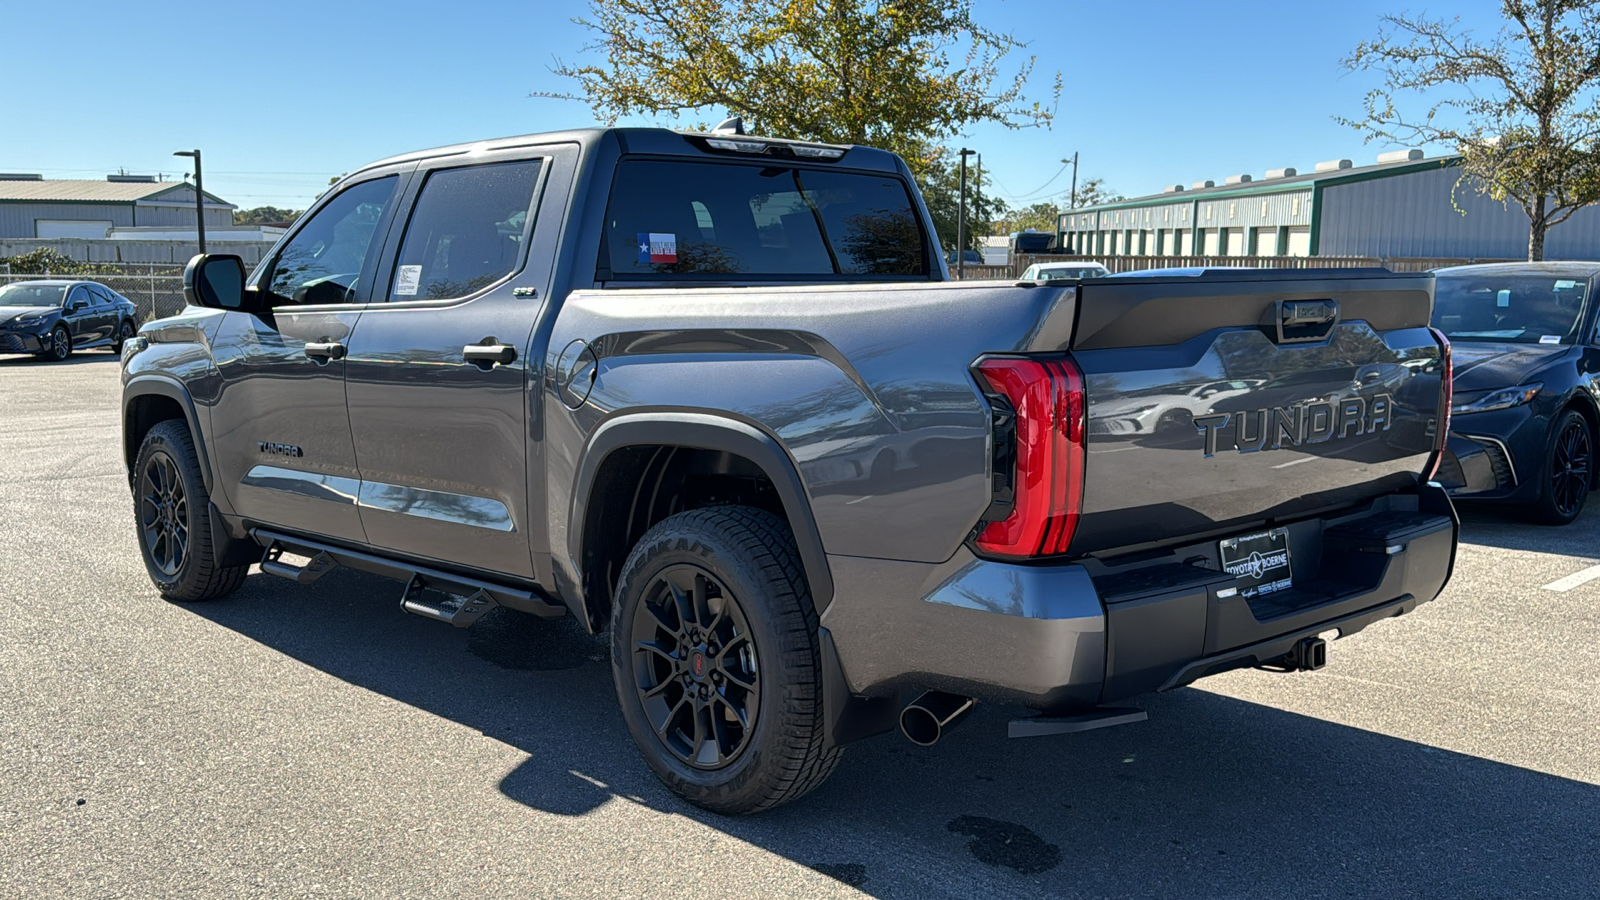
{"x": 1232, "y": 399}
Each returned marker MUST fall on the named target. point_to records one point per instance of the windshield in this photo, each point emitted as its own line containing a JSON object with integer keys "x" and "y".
{"x": 32, "y": 294}
{"x": 1515, "y": 307}
{"x": 1033, "y": 241}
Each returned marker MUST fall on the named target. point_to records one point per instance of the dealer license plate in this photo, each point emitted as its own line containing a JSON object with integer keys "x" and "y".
{"x": 1259, "y": 561}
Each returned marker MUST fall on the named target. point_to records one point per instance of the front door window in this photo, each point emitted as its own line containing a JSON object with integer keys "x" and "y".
{"x": 323, "y": 262}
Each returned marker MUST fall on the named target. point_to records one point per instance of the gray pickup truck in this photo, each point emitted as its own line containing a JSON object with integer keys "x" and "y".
{"x": 716, "y": 394}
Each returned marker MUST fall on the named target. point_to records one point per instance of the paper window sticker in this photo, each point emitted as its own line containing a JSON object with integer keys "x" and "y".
{"x": 1550, "y": 339}
{"x": 1502, "y": 299}
{"x": 410, "y": 278}
{"x": 657, "y": 247}
{"x": 1566, "y": 285}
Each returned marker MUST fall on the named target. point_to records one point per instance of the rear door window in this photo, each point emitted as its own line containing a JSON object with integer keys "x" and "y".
{"x": 466, "y": 231}
{"x": 730, "y": 222}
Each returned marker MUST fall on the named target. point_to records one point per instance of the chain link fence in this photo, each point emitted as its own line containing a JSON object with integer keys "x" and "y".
{"x": 1140, "y": 263}
{"x": 155, "y": 289}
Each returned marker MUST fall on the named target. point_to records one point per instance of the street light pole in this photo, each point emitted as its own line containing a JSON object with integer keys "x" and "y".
{"x": 199, "y": 198}
{"x": 1074, "y": 162}
{"x": 961, "y": 218}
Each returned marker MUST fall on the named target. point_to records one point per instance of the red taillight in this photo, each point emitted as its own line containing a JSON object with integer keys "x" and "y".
{"x": 1447, "y": 393}
{"x": 1047, "y": 396}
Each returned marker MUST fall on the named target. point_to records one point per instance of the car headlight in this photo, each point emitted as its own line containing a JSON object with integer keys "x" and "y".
{"x": 27, "y": 321}
{"x": 1504, "y": 398}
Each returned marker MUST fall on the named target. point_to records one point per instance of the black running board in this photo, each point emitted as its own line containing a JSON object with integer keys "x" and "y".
{"x": 475, "y": 596}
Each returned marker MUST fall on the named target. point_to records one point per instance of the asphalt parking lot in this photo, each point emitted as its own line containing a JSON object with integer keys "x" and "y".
{"x": 314, "y": 741}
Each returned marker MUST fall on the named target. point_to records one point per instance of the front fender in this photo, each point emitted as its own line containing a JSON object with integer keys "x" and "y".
{"x": 172, "y": 389}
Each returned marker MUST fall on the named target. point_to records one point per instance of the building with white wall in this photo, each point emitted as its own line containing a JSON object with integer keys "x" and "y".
{"x": 1402, "y": 206}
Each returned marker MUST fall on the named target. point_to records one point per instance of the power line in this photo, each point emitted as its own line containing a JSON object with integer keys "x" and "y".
{"x": 1031, "y": 194}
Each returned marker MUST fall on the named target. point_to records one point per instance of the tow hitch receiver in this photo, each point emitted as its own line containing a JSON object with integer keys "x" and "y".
{"x": 1309, "y": 654}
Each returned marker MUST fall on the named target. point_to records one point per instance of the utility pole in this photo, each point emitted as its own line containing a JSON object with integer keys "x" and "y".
{"x": 1074, "y": 161}
{"x": 961, "y": 217}
{"x": 199, "y": 198}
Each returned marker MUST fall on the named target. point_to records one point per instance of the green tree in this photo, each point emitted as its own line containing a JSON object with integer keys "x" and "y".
{"x": 940, "y": 184}
{"x": 1520, "y": 106}
{"x": 265, "y": 215}
{"x": 1093, "y": 192}
{"x": 1041, "y": 216}
{"x": 46, "y": 260}
{"x": 904, "y": 75}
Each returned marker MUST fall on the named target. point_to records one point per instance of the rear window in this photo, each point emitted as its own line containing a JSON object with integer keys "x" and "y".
{"x": 670, "y": 220}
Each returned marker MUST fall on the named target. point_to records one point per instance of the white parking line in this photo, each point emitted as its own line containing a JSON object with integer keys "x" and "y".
{"x": 1582, "y": 576}
{"x": 1295, "y": 462}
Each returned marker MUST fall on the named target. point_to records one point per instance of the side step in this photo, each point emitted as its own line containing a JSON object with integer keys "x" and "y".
{"x": 445, "y": 596}
{"x": 272, "y": 563}
{"x": 423, "y": 600}
{"x": 1104, "y": 717}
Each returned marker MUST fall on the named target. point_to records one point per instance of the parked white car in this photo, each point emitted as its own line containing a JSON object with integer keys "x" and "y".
{"x": 1056, "y": 271}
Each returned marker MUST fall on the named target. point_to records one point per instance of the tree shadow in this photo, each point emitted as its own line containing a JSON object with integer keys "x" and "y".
{"x": 1212, "y": 797}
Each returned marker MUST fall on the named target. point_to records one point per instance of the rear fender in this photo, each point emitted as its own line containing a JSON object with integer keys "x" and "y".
{"x": 707, "y": 432}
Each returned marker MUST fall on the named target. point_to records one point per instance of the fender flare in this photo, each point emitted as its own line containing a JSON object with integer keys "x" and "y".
{"x": 172, "y": 389}
{"x": 707, "y": 432}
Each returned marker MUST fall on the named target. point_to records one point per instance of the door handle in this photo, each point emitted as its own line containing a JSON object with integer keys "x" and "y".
{"x": 325, "y": 350}
{"x": 490, "y": 353}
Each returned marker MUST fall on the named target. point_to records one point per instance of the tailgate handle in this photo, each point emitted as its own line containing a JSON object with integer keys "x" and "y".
{"x": 1304, "y": 320}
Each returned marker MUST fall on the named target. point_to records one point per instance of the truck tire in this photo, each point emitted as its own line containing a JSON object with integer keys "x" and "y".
{"x": 1567, "y": 471}
{"x": 170, "y": 504}
{"x": 715, "y": 656}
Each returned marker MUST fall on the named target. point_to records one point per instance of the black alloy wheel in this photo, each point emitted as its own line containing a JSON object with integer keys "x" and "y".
{"x": 1569, "y": 470}
{"x": 1569, "y": 473}
{"x": 59, "y": 344}
{"x": 163, "y": 513}
{"x": 717, "y": 663}
{"x": 124, "y": 331}
{"x": 171, "y": 509}
{"x": 695, "y": 667}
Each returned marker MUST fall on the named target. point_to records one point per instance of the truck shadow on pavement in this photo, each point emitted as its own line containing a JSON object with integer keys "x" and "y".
{"x": 81, "y": 358}
{"x": 1500, "y": 527}
{"x": 1212, "y": 796}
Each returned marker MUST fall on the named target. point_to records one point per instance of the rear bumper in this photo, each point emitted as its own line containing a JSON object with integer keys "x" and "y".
{"x": 1072, "y": 636}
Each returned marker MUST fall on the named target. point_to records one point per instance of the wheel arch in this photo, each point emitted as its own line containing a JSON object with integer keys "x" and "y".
{"x": 619, "y": 480}
{"x": 148, "y": 400}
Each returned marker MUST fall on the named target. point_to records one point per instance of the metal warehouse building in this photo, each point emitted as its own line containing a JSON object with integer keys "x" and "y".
{"x": 34, "y": 207}
{"x": 1404, "y": 206}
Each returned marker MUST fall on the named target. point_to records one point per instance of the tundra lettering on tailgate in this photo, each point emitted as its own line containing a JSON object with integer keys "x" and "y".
{"x": 1299, "y": 423}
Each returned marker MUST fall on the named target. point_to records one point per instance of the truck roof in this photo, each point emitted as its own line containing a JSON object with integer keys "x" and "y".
{"x": 643, "y": 140}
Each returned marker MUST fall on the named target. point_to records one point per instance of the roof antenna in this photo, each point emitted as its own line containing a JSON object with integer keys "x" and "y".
{"x": 731, "y": 125}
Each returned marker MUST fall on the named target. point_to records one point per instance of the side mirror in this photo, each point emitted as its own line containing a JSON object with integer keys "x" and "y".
{"x": 216, "y": 281}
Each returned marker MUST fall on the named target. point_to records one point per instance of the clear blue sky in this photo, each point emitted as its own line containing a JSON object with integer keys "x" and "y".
{"x": 282, "y": 95}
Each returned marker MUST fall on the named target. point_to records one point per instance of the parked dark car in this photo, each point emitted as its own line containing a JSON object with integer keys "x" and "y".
{"x": 52, "y": 318}
{"x": 1527, "y": 360}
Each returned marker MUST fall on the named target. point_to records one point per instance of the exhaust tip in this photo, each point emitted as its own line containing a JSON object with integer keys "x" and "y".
{"x": 920, "y": 726}
{"x": 925, "y": 719}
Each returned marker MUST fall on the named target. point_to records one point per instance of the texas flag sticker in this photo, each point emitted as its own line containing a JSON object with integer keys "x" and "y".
{"x": 655, "y": 247}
